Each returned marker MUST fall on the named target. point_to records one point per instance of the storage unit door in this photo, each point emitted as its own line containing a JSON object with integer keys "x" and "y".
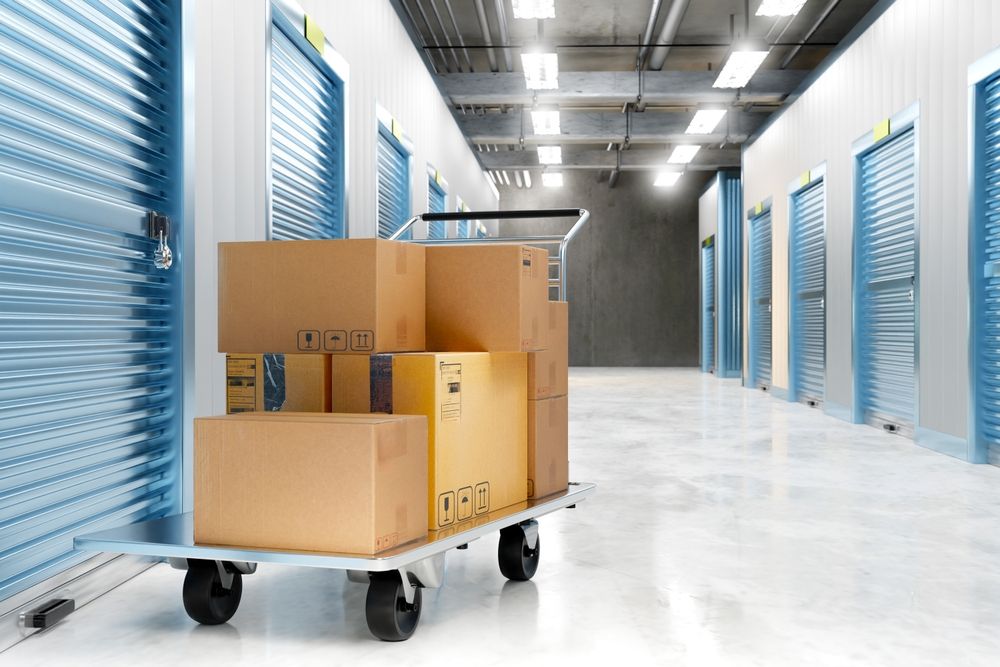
{"x": 307, "y": 139}
{"x": 89, "y": 329}
{"x": 708, "y": 308}
{"x": 393, "y": 185}
{"x": 886, "y": 265}
{"x": 988, "y": 260}
{"x": 760, "y": 300}
{"x": 808, "y": 279}
{"x": 435, "y": 204}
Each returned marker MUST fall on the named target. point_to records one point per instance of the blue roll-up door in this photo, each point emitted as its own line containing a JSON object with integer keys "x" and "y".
{"x": 808, "y": 294}
{"x": 708, "y": 305}
{"x": 884, "y": 283}
{"x": 729, "y": 254}
{"x": 307, "y": 139}
{"x": 393, "y": 184}
{"x": 435, "y": 204}
{"x": 90, "y": 101}
{"x": 760, "y": 300}
{"x": 986, "y": 251}
{"x": 465, "y": 229}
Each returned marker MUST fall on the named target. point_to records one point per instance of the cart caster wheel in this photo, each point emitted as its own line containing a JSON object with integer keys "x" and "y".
{"x": 390, "y": 617}
{"x": 205, "y": 599}
{"x": 517, "y": 561}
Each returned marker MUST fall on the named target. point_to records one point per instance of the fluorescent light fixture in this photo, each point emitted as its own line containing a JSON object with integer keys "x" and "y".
{"x": 740, "y": 68}
{"x": 534, "y": 9}
{"x": 541, "y": 70}
{"x": 780, "y": 7}
{"x": 527, "y": 179}
{"x": 705, "y": 121}
{"x": 506, "y": 178}
{"x": 545, "y": 122}
{"x": 552, "y": 179}
{"x": 667, "y": 179}
{"x": 550, "y": 154}
{"x": 683, "y": 154}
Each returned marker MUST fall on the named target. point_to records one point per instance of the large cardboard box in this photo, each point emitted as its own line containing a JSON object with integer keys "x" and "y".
{"x": 548, "y": 370}
{"x": 340, "y": 296}
{"x": 490, "y": 298}
{"x": 309, "y": 481}
{"x": 548, "y": 446}
{"x": 273, "y": 382}
{"x": 476, "y": 409}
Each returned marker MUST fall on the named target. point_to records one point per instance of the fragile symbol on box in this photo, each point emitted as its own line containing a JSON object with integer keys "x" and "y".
{"x": 335, "y": 340}
{"x": 308, "y": 340}
{"x": 446, "y": 508}
{"x": 362, "y": 341}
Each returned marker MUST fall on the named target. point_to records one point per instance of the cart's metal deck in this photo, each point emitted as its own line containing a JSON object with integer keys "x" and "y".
{"x": 173, "y": 537}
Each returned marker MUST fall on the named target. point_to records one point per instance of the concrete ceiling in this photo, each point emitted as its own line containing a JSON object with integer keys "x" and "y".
{"x": 598, "y": 42}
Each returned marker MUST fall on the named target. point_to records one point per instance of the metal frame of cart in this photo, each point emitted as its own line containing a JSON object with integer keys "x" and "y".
{"x": 213, "y": 585}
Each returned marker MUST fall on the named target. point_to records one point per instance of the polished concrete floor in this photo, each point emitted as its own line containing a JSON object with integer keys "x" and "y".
{"x": 730, "y": 528}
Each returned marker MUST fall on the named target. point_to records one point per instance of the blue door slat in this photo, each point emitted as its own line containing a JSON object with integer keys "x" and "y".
{"x": 89, "y": 329}
{"x": 760, "y": 300}
{"x": 808, "y": 293}
{"x": 436, "y": 202}
{"x": 708, "y": 308}
{"x": 393, "y": 184}
{"x": 987, "y": 254}
{"x": 886, "y": 271}
{"x": 307, "y": 139}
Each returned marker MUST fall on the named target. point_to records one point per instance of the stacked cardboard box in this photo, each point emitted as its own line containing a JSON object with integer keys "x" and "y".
{"x": 548, "y": 408}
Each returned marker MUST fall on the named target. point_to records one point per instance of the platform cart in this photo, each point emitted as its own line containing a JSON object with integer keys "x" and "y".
{"x": 213, "y": 585}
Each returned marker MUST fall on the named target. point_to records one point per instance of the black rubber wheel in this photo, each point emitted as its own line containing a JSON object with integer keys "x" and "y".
{"x": 205, "y": 600}
{"x": 517, "y": 561}
{"x": 390, "y": 617}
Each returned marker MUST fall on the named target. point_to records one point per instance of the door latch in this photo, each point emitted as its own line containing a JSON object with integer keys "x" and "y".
{"x": 158, "y": 229}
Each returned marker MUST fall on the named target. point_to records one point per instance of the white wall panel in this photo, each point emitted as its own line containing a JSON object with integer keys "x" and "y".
{"x": 708, "y": 211}
{"x": 917, "y": 51}
{"x": 229, "y": 43}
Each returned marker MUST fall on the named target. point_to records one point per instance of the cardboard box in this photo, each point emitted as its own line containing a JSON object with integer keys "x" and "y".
{"x": 273, "y": 382}
{"x": 341, "y": 296}
{"x": 489, "y": 298}
{"x": 548, "y": 446}
{"x": 548, "y": 370}
{"x": 309, "y": 481}
{"x": 476, "y": 409}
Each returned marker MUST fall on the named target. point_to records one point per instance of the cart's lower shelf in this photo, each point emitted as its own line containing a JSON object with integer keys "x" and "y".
{"x": 173, "y": 537}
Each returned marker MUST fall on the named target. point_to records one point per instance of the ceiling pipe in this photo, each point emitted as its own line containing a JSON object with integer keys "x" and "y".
{"x": 617, "y": 171}
{"x": 675, "y": 14}
{"x": 647, "y": 35}
{"x": 458, "y": 34}
{"x": 444, "y": 32}
{"x": 484, "y": 27}
{"x": 812, "y": 31}
{"x": 413, "y": 22}
{"x": 504, "y": 35}
{"x": 430, "y": 32}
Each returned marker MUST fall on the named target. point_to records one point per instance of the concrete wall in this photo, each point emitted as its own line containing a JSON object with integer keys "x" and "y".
{"x": 227, "y": 86}
{"x": 633, "y": 271}
{"x": 918, "y": 51}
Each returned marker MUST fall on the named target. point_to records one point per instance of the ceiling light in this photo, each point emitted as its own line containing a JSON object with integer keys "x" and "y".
{"x": 667, "y": 179}
{"x": 545, "y": 122}
{"x": 506, "y": 178}
{"x": 739, "y": 68}
{"x": 705, "y": 121}
{"x": 780, "y": 7}
{"x": 527, "y": 179}
{"x": 683, "y": 154}
{"x": 552, "y": 179}
{"x": 534, "y": 9}
{"x": 549, "y": 155}
{"x": 541, "y": 70}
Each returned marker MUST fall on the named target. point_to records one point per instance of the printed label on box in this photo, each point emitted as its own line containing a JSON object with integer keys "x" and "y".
{"x": 241, "y": 384}
{"x": 451, "y": 392}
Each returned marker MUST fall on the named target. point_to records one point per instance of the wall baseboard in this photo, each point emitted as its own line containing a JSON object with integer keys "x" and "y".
{"x": 841, "y": 412}
{"x": 943, "y": 443}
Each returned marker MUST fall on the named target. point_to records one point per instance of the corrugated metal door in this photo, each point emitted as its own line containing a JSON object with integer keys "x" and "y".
{"x": 307, "y": 139}
{"x": 760, "y": 300}
{"x": 89, "y": 329}
{"x": 729, "y": 310}
{"x": 708, "y": 305}
{"x": 808, "y": 290}
{"x": 393, "y": 184}
{"x": 987, "y": 253}
{"x": 435, "y": 204}
{"x": 886, "y": 270}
